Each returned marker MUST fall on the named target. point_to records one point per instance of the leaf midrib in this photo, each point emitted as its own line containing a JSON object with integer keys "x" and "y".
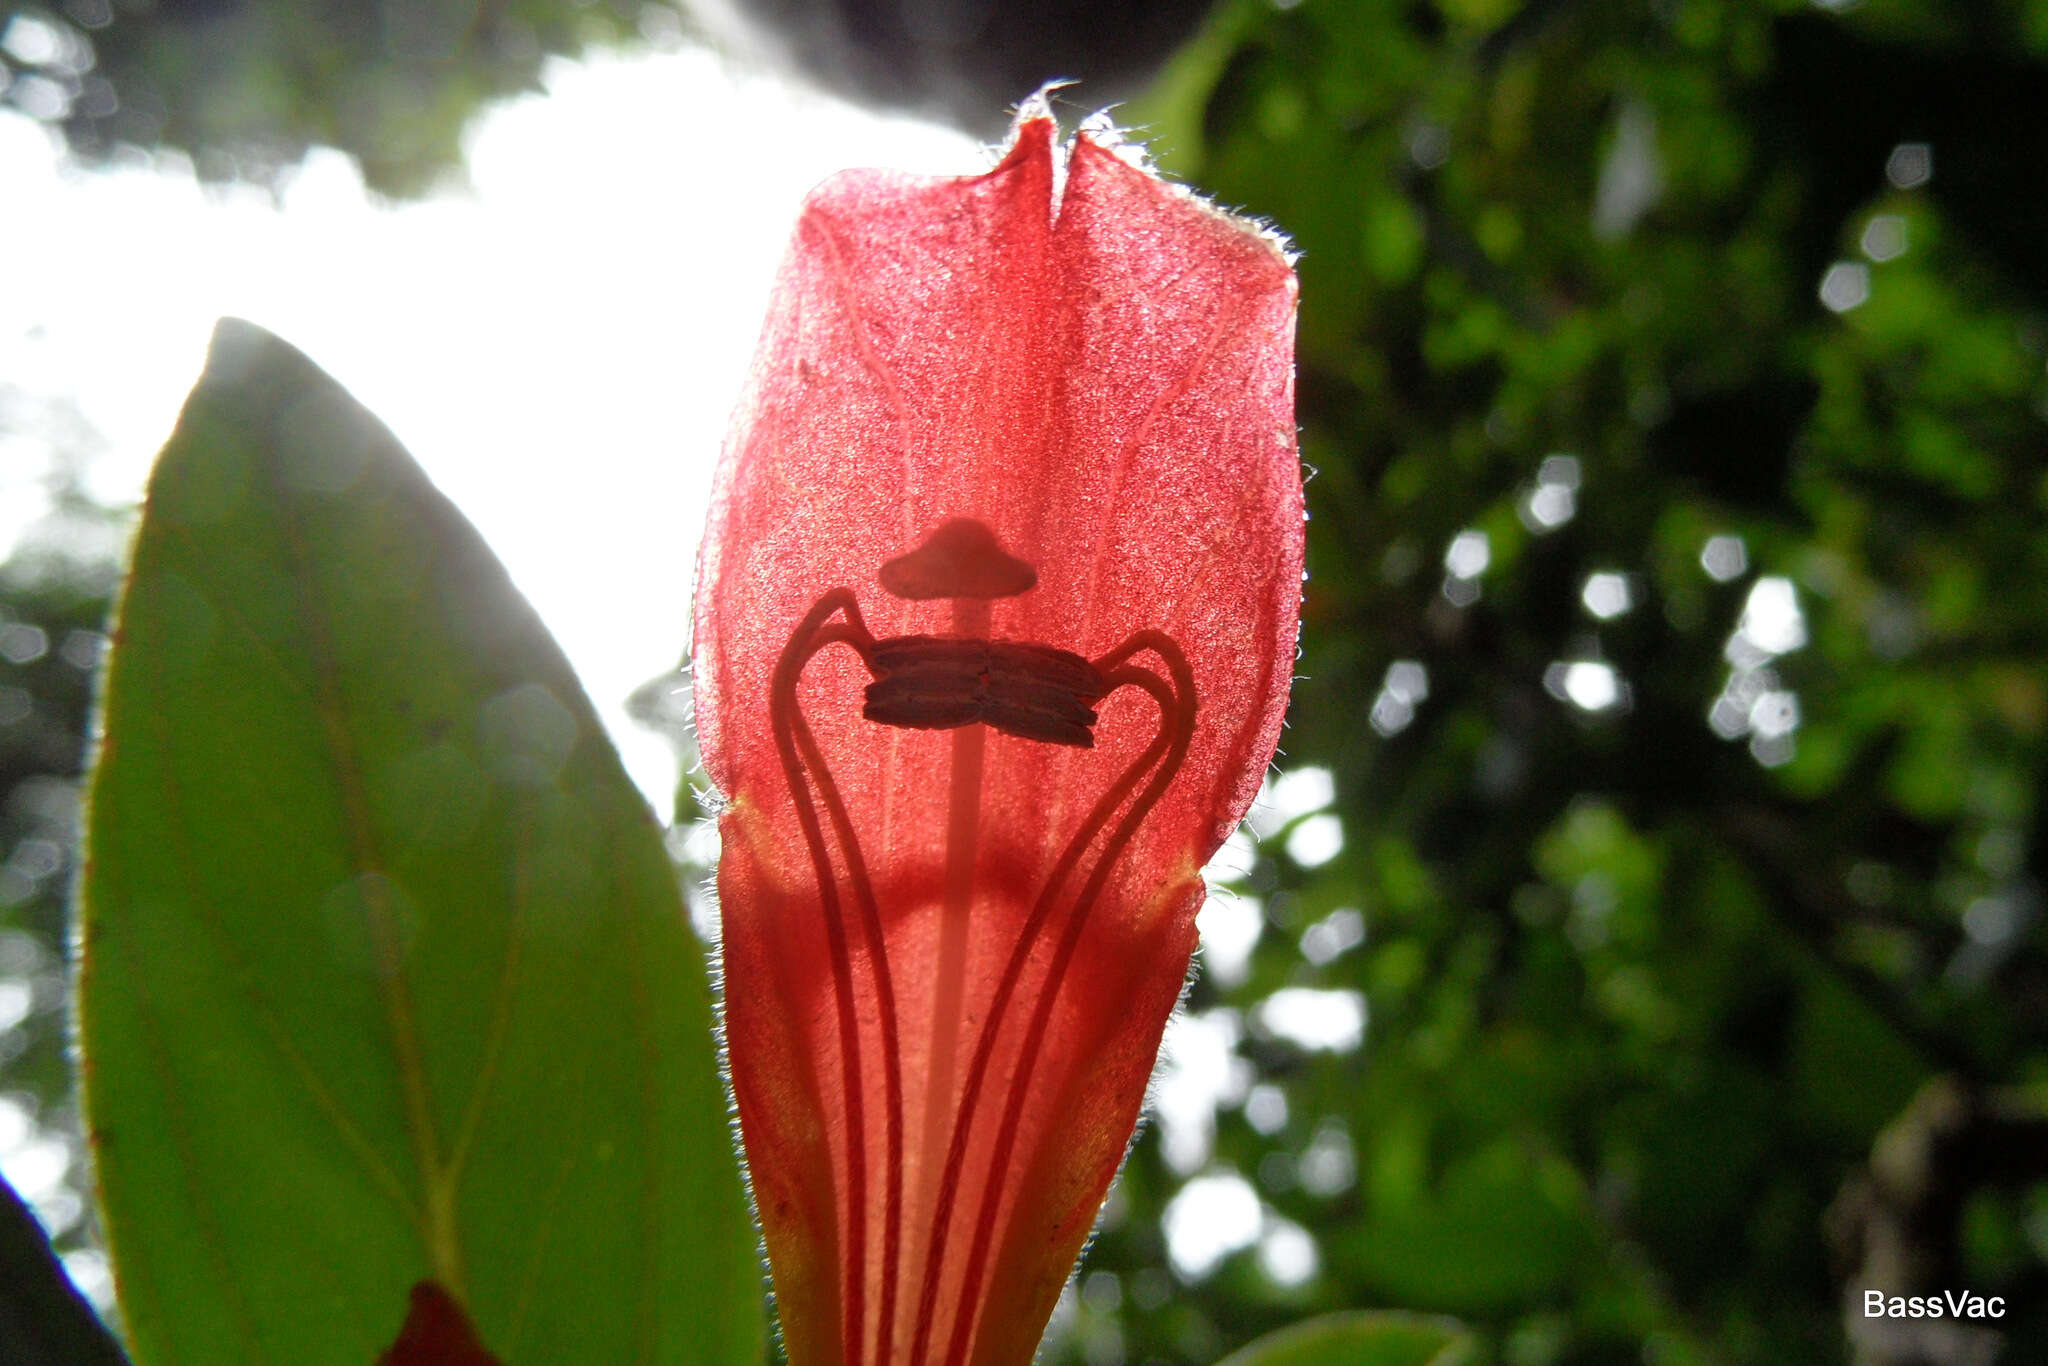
{"x": 438, "y": 1228}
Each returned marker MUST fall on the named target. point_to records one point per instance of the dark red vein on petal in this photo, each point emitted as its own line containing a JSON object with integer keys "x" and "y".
{"x": 856, "y": 635}
{"x": 791, "y": 735}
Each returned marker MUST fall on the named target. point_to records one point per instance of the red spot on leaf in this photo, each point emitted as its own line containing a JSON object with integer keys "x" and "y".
{"x": 437, "y": 1332}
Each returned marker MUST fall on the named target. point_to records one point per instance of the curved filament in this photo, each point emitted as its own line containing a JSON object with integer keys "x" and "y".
{"x": 798, "y": 750}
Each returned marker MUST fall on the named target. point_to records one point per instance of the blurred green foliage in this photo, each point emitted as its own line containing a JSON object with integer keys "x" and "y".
{"x": 1370, "y": 1338}
{"x": 54, "y": 596}
{"x": 247, "y": 86}
{"x": 1655, "y": 948}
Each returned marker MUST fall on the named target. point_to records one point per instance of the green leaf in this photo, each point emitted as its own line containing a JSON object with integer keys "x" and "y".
{"x": 1504, "y": 1228}
{"x": 386, "y": 975}
{"x": 43, "y": 1319}
{"x": 1371, "y": 1337}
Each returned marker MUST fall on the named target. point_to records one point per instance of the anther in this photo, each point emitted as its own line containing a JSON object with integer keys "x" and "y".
{"x": 1035, "y": 692}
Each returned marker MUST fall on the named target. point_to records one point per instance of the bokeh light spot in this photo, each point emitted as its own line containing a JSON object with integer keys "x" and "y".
{"x": 1468, "y": 555}
{"x": 1771, "y": 619}
{"x": 1607, "y": 595}
{"x": 1287, "y": 1254}
{"x": 1229, "y": 926}
{"x": 1313, "y": 1019}
{"x": 1910, "y": 165}
{"x": 1884, "y": 237}
{"x": 1587, "y": 684}
{"x": 1845, "y": 286}
{"x": 1336, "y": 934}
{"x": 1316, "y": 841}
{"x": 1210, "y": 1217}
{"x": 1725, "y": 558}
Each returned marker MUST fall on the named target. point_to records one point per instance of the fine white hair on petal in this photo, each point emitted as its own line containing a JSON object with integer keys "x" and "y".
{"x": 1038, "y": 104}
{"x": 1127, "y": 149}
{"x": 1102, "y": 129}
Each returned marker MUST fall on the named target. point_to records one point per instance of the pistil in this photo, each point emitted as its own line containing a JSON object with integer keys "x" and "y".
{"x": 963, "y": 838}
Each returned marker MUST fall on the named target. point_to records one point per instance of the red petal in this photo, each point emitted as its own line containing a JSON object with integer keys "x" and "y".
{"x": 436, "y": 1333}
{"x": 1107, "y": 385}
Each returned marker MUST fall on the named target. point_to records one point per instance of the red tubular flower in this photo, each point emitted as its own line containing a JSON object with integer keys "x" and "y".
{"x": 996, "y": 619}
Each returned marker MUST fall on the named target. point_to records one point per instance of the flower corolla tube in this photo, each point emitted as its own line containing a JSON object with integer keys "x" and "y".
{"x": 996, "y": 618}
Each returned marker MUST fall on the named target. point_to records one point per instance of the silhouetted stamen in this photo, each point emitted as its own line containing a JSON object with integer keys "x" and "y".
{"x": 793, "y": 740}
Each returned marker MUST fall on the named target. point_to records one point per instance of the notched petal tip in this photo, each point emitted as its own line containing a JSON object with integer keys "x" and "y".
{"x": 1037, "y": 106}
{"x": 962, "y": 559}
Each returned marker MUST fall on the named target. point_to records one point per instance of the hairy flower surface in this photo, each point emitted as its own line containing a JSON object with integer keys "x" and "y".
{"x": 995, "y": 623}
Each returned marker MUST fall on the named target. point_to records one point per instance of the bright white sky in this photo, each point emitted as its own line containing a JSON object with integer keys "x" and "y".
{"x": 559, "y": 346}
